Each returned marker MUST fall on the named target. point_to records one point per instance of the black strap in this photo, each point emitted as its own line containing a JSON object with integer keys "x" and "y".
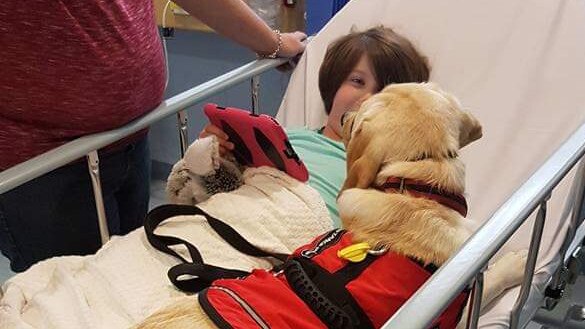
{"x": 324, "y": 308}
{"x": 325, "y": 294}
{"x": 203, "y": 274}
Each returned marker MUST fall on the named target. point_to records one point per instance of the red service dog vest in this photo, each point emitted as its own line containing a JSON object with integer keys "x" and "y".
{"x": 317, "y": 289}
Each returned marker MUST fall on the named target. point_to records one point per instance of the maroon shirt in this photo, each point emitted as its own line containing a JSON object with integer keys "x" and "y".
{"x": 74, "y": 67}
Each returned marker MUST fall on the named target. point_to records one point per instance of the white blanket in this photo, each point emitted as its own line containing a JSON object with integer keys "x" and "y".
{"x": 126, "y": 280}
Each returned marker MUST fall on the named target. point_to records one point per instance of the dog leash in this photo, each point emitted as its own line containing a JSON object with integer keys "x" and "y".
{"x": 202, "y": 274}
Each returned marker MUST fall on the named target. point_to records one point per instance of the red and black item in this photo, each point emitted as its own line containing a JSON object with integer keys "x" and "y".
{"x": 259, "y": 140}
{"x": 314, "y": 288}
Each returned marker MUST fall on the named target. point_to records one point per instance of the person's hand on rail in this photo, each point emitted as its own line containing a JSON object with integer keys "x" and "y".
{"x": 292, "y": 44}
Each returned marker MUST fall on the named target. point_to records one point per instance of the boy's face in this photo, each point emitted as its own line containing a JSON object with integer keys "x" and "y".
{"x": 357, "y": 87}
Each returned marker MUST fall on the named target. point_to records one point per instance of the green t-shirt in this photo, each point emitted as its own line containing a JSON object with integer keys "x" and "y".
{"x": 325, "y": 161}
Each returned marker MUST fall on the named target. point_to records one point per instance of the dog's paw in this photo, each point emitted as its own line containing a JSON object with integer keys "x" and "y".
{"x": 202, "y": 157}
{"x": 509, "y": 269}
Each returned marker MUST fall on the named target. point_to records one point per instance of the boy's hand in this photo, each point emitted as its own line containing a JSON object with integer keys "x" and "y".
{"x": 225, "y": 146}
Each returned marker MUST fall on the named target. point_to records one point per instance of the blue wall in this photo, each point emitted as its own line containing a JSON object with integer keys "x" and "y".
{"x": 319, "y": 12}
{"x": 196, "y": 57}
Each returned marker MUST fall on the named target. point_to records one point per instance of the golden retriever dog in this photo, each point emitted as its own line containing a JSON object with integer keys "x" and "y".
{"x": 404, "y": 189}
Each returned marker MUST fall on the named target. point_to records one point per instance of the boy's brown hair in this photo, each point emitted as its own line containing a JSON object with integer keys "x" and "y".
{"x": 392, "y": 57}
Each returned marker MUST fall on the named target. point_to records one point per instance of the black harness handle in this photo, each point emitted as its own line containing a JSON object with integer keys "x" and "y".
{"x": 202, "y": 274}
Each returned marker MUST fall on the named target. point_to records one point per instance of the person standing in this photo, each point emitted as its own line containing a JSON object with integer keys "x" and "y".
{"x": 73, "y": 68}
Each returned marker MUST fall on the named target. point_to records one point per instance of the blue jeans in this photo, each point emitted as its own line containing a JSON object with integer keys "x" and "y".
{"x": 55, "y": 214}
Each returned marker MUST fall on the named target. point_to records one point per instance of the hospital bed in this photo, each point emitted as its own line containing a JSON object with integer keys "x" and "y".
{"x": 517, "y": 65}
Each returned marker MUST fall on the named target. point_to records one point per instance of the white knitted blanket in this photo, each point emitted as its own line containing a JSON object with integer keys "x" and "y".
{"x": 126, "y": 280}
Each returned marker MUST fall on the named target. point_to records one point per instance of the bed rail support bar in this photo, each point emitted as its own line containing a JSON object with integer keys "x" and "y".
{"x": 475, "y": 304}
{"x": 530, "y": 264}
{"x": 255, "y": 91}
{"x": 566, "y": 272}
{"x": 183, "y": 131}
{"x": 93, "y": 164}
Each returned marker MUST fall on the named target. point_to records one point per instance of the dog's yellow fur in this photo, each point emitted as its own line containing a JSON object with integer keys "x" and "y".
{"x": 185, "y": 313}
{"x": 407, "y": 130}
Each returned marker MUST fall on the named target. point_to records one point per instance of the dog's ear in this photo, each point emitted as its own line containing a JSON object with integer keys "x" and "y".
{"x": 363, "y": 160}
{"x": 470, "y": 129}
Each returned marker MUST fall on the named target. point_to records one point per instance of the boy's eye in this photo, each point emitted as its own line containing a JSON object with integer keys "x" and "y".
{"x": 357, "y": 80}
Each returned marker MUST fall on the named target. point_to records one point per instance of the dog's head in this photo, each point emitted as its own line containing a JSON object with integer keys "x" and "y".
{"x": 404, "y": 122}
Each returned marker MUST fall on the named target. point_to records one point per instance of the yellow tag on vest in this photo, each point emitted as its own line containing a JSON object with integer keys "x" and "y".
{"x": 354, "y": 253}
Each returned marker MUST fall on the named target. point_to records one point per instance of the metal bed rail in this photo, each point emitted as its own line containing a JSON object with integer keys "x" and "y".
{"x": 470, "y": 262}
{"x": 88, "y": 145}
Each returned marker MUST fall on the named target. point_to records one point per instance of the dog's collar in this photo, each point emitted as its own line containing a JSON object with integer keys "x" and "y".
{"x": 425, "y": 156}
{"x": 455, "y": 201}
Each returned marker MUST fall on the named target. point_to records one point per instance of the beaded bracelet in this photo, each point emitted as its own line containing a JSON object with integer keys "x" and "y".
{"x": 274, "y": 54}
